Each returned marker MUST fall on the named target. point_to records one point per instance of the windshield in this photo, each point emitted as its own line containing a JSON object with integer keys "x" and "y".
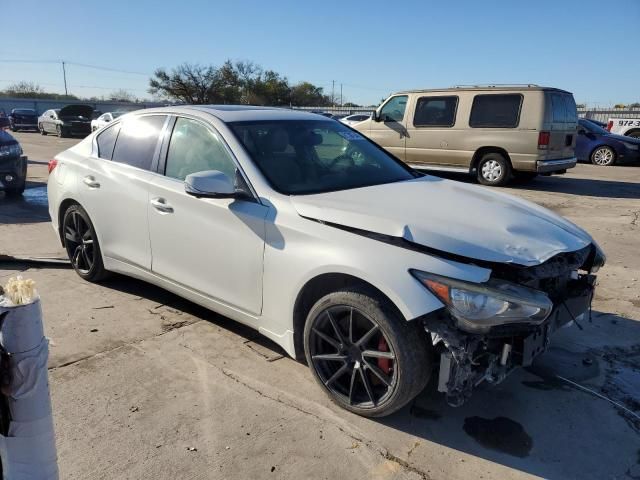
{"x": 24, "y": 111}
{"x": 592, "y": 127}
{"x": 309, "y": 156}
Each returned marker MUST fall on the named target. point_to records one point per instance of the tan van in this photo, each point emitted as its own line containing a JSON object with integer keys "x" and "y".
{"x": 495, "y": 132}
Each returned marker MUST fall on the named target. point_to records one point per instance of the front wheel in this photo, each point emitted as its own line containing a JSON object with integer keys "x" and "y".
{"x": 368, "y": 358}
{"x": 494, "y": 170}
{"x": 603, "y": 156}
{"x": 81, "y": 243}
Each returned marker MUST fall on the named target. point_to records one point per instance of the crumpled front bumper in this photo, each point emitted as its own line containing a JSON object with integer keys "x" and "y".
{"x": 466, "y": 359}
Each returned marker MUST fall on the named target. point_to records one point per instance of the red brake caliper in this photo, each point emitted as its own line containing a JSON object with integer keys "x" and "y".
{"x": 384, "y": 364}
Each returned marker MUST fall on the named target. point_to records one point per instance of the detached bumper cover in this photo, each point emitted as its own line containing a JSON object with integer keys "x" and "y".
{"x": 547, "y": 166}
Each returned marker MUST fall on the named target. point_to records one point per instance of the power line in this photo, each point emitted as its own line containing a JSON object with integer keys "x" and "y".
{"x": 77, "y": 64}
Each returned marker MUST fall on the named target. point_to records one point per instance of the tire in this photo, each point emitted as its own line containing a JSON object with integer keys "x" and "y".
{"x": 60, "y": 132}
{"x": 81, "y": 243}
{"x": 376, "y": 362}
{"x": 603, "y": 156}
{"x": 42, "y": 130}
{"x": 494, "y": 170}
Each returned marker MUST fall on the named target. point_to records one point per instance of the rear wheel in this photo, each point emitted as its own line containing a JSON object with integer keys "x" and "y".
{"x": 60, "y": 131}
{"x": 364, "y": 355}
{"x": 81, "y": 243}
{"x": 494, "y": 170}
{"x": 603, "y": 156}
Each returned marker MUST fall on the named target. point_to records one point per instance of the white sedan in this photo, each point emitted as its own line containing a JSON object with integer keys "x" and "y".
{"x": 309, "y": 232}
{"x": 103, "y": 119}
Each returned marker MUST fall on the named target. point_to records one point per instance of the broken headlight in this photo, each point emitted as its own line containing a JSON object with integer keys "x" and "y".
{"x": 479, "y": 306}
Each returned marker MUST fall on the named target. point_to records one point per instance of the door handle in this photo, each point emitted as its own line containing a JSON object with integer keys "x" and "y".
{"x": 161, "y": 205}
{"x": 90, "y": 182}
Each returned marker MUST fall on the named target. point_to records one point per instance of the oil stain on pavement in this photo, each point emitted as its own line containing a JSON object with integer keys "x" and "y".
{"x": 501, "y": 434}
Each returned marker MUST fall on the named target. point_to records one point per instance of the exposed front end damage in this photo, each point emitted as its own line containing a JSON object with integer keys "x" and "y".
{"x": 469, "y": 358}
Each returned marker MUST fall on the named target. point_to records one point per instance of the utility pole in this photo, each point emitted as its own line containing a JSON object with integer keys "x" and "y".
{"x": 333, "y": 97}
{"x": 64, "y": 75}
{"x": 340, "y": 95}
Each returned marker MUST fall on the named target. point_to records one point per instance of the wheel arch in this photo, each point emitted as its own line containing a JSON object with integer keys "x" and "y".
{"x": 633, "y": 130}
{"x": 480, "y": 152}
{"x": 316, "y": 288}
{"x": 64, "y": 206}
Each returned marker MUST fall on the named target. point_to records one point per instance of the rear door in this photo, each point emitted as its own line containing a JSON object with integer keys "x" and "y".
{"x": 115, "y": 187}
{"x": 391, "y": 131}
{"x": 561, "y": 111}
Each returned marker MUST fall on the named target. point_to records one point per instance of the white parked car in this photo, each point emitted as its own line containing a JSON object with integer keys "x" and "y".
{"x": 103, "y": 119}
{"x": 307, "y": 231}
{"x": 355, "y": 118}
{"x": 624, "y": 126}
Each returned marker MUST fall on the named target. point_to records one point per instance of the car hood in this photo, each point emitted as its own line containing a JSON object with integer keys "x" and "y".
{"x": 453, "y": 217}
{"x": 76, "y": 111}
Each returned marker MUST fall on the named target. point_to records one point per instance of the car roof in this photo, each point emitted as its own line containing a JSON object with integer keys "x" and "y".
{"x": 239, "y": 113}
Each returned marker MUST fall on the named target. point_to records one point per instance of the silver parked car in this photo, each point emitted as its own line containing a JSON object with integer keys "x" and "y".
{"x": 304, "y": 229}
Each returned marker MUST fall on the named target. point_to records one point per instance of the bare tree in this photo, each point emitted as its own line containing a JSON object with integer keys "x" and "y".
{"x": 24, "y": 89}
{"x": 122, "y": 95}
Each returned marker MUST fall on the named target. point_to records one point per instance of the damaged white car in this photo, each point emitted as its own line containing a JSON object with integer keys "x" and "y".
{"x": 300, "y": 227}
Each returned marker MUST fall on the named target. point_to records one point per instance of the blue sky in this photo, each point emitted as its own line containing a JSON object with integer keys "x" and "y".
{"x": 373, "y": 48}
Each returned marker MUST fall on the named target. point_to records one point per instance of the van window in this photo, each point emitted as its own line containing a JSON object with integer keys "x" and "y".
{"x": 137, "y": 141}
{"x": 106, "y": 141}
{"x": 496, "y": 111}
{"x": 393, "y": 110}
{"x": 435, "y": 112}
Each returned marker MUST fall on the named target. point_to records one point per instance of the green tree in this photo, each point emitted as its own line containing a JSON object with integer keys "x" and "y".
{"x": 306, "y": 94}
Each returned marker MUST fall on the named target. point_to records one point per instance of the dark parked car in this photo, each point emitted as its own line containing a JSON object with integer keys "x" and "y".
{"x": 13, "y": 165}
{"x": 600, "y": 147}
{"x": 23, "y": 118}
{"x": 67, "y": 121}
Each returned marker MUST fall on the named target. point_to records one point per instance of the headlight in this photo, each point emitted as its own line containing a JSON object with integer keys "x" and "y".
{"x": 479, "y": 306}
{"x": 599, "y": 259}
{"x": 10, "y": 150}
{"x": 631, "y": 146}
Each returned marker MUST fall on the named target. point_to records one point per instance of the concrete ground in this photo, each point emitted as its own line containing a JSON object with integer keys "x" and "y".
{"x": 147, "y": 385}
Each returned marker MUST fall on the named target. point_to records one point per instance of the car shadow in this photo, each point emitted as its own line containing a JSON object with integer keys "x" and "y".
{"x": 533, "y": 422}
{"x": 564, "y": 184}
{"x": 31, "y": 207}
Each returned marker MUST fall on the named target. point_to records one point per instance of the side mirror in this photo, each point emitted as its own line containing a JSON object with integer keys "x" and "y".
{"x": 375, "y": 116}
{"x": 209, "y": 184}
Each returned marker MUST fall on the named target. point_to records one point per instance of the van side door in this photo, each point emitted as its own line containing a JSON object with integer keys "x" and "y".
{"x": 431, "y": 139}
{"x": 390, "y": 132}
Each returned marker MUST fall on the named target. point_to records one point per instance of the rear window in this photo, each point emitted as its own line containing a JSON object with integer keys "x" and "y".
{"x": 137, "y": 141}
{"x": 435, "y": 112}
{"x": 563, "y": 108}
{"x": 106, "y": 141}
{"x": 496, "y": 111}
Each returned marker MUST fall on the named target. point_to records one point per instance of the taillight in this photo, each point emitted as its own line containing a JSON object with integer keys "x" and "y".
{"x": 610, "y": 125}
{"x": 53, "y": 163}
{"x": 543, "y": 140}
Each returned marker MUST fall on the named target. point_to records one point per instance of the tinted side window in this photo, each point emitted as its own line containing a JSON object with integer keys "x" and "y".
{"x": 393, "y": 110}
{"x": 558, "y": 107}
{"x": 496, "y": 111}
{"x": 138, "y": 140}
{"x": 195, "y": 148}
{"x": 106, "y": 141}
{"x": 435, "y": 112}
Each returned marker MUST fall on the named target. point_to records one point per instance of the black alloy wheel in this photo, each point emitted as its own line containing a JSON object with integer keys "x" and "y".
{"x": 353, "y": 357}
{"x": 81, "y": 244}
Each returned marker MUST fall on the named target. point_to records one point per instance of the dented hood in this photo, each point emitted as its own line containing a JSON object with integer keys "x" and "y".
{"x": 453, "y": 217}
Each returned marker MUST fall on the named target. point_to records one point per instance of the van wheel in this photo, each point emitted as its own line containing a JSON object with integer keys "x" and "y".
{"x": 494, "y": 170}
{"x": 603, "y": 156}
{"x": 366, "y": 357}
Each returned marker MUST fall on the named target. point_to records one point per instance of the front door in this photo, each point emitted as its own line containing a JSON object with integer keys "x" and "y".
{"x": 212, "y": 246}
{"x": 391, "y": 131}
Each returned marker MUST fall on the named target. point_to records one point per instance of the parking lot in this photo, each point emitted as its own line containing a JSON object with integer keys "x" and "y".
{"x": 147, "y": 385}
